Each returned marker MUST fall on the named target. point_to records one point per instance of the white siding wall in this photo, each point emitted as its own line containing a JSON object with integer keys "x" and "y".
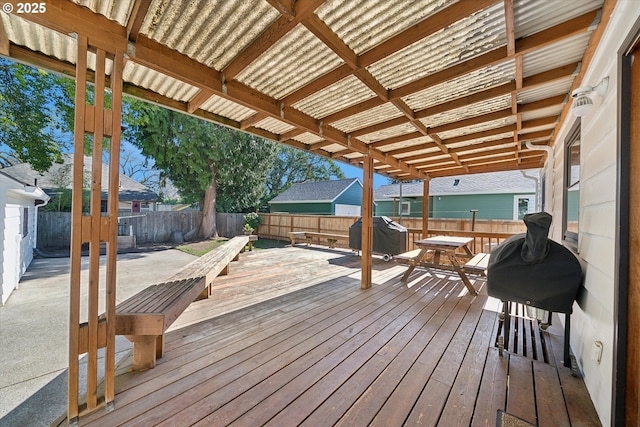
{"x": 593, "y": 315}
{"x": 16, "y": 251}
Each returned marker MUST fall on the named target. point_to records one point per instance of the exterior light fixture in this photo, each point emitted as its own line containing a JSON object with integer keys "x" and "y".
{"x": 582, "y": 103}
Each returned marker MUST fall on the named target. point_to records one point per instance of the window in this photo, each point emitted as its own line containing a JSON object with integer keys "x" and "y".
{"x": 522, "y": 205}
{"x": 571, "y": 201}
{"x": 405, "y": 208}
{"x": 25, "y": 222}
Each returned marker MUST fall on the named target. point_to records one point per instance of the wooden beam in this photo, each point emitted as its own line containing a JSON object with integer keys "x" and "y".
{"x": 480, "y": 134}
{"x": 379, "y": 126}
{"x": 285, "y": 7}
{"x": 471, "y": 121}
{"x": 425, "y": 208}
{"x": 291, "y": 134}
{"x": 467, "y": 100}
{"x": 270, "y": 36}
{"x": 486, "y": 59}
{"x": 396, "y": 139}
{"x": 199, "y": 99}
{"x": 321, "y": 82}
{"x": 367, "y": 224}
{"x": 138, "y": 13}
{"x": 249, "y": 122}
{"x": 423, "y": 29}
{"x": 112, "y": 242}
{"x": 66, "y": 17}
{"x": 329, "y": 38}
{"x": 558, "y": 32}
{"x": 75, "y": 279}
{"x": 167, "y": 61}
{"x": 524, "y": 45}
{"x": 605, "y": 14}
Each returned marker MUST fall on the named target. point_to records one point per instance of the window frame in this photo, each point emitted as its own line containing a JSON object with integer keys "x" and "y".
{"x": 570, "y": 238}
{"x": 402, "y": 205}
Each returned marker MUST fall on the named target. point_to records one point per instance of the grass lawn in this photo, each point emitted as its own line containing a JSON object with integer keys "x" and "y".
{"x": 202, "y": 247}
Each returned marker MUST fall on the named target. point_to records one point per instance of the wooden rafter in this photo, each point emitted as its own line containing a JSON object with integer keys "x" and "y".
{"x": 270, "y": 36}
{"x": 139, "y": 11}
{"x": 525, "y": 45}
{"x": 169, "y": 62}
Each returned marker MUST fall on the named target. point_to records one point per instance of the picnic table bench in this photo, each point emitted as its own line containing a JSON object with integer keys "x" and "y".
{"x": 144, "y": 317}
{"x": 332, "y": 239}
{"x": 477, "y": 265}
{"x": 430, "y": 254}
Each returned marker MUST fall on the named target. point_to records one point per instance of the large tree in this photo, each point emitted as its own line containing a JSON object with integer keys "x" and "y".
{"x": 210, "y": 164}
{"x": 32, "y": 108}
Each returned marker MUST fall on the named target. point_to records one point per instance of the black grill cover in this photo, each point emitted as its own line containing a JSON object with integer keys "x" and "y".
{"x": 389, "y": 237}
{"x": 533, "y": 270}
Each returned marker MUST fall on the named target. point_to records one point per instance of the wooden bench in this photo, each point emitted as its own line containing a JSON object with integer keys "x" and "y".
{"x": 477, "y": 265}
{"x": 332, "y": 239}
{"x": 144, "y": 317}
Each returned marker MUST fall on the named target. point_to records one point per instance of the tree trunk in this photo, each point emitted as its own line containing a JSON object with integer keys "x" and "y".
{"x": 208, "y": 227}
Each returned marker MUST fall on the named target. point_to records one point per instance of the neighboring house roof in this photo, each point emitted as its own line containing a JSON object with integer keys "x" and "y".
{"x": 315, "y": 192}
{"x": 13, "y": 185}
{"x": 481, "y": 183}
{"x": 60, "y": 175}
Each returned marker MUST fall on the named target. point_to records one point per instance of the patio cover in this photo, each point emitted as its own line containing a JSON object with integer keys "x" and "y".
{"x": 407, "y": 89}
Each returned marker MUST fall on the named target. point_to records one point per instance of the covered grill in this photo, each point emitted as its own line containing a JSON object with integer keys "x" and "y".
{"x": 533, "y": 270}
{"x": 389, "y": 237}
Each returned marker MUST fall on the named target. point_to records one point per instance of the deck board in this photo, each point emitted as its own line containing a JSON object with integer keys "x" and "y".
{"x": 329, "y": 353}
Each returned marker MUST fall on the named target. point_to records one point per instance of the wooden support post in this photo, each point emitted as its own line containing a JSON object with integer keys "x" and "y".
{"x": 99, "y": 122}
{"x": 112, "y": 242}
{"x": 367, "y": 223}
{"x": 425, "y": 208}
{"x": 76, "y": 231}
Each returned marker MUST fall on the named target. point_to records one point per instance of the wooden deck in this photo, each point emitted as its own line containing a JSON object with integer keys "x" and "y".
{"x": 320, "y": 351}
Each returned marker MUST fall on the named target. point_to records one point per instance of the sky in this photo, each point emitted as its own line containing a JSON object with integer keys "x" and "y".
{"x": 356, "y": 172}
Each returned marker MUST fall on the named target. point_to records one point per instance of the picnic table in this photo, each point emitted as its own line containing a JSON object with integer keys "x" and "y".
{"x": 433, "y": 251}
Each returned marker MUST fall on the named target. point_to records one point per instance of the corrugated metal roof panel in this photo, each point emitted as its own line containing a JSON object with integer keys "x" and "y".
{"x": 363, "y": 24}
{"x": 159, "y": 83}
{"x": 541, "y": 128}
{"x": 46, "y": 41}
{"x": 545, "y": 112}
{"x": 495, "y": 104}
{"x": 467, "y": 38}
{"x": 346, "y": 92}
{"x": 274, "y": 126}
{"x": 468, "y": 84}
{"x": 566, "y": 51}
{"x": 212, "y": 32}
{"x": 115, "y": 10}
{"x": 367, "y": 118}
{"x": 545, "y": 91}
{"x": 440, "y": 158}
{"x": 478, "y": 128}
{"x": 308, "y": 138}
{"x": 531, "y": 16}
{"x": 333, "y": 148}
{"x": 402, "y": 129}
{"x": 297, "y": 59}
{"x": 226, "y": 108}
{"x": 39, "y": 39}
{"x": 424, "y": 141}
{"x": 468, "y": 145}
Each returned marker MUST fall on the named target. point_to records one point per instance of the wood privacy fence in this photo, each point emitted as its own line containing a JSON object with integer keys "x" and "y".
{"x": 54, "y": 228}
{"x": 486, "y": 233}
